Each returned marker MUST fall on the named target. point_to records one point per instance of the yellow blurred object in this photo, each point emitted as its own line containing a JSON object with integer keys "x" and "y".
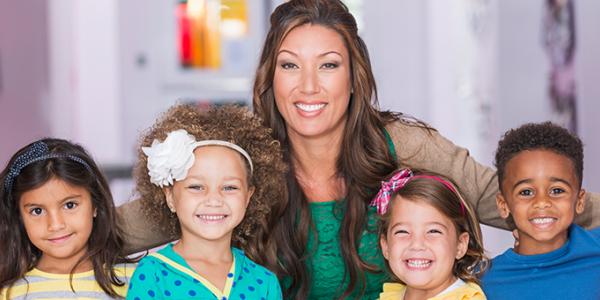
{"x": 205, "y": 23}
{"x": 208, "y": 22}
{"x": 234, "y": 18}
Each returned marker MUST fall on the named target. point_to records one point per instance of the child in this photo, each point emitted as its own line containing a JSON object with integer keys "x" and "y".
{"x": 206, "y": 171}
{"x": 430, "y": 237}
{"x": 58, "y": 227}
{"x": 540, "y": 171}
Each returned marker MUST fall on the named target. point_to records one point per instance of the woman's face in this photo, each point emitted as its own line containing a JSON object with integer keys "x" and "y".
{"x": 312, "y": 82}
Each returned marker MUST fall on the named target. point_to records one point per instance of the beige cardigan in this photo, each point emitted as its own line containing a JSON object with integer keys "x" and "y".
{"x": 415, "y": 148}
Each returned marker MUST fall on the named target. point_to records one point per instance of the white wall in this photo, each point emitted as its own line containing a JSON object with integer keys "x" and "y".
{"x": 588, "y": 88}
{"x": 23, "y": 75}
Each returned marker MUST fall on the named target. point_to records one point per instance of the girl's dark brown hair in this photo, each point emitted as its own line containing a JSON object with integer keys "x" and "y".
{"x": 105, "y": 243}
{"x": 452, "y": 205}
{"x": 363, "y": 161}
{"x": 236, "y": 125}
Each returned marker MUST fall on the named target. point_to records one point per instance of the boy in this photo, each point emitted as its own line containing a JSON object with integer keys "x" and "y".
{"x": 540, "y": 171}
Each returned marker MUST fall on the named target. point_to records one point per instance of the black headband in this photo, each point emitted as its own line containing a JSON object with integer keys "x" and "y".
{"x": 36, "y": 152}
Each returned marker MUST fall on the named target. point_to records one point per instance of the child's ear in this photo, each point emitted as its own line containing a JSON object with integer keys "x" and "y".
{"x": 463, "y": 245}
{"x": 502, "y": 206}
{"x": 384, "y": 247}
{"x": 169, "y": 197}
{"x": 580, "y": 202}
{"x": 250, "y": 193}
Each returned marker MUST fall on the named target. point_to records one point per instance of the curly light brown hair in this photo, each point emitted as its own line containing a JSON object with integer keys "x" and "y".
{"x": 236, "y": 125}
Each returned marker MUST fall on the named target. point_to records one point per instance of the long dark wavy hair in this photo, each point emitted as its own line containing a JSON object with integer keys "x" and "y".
{"x": 105, "y": 243}
{"x": 364, "y": 157}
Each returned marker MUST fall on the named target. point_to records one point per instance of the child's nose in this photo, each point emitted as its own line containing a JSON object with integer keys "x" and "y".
{"x": 56, "y": 221}
{"x": 214, "y": 199}
{"x": 542, "y": 201}
{"x": 417, "y": 242}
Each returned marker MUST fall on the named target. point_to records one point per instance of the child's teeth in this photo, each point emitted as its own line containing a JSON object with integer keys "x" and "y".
{"x": 309, "y": 107}
{"x": 542, "y": 220}
{"x": 418, "y": 263}
{"x": 211, "y": 217}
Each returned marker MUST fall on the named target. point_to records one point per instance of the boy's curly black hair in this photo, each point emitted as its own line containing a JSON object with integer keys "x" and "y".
{"x": 236, "y": 125}
{"x": 539, "y": 136}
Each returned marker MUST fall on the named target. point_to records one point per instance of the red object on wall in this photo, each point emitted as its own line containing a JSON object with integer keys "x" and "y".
{"x": 185, "y": 43}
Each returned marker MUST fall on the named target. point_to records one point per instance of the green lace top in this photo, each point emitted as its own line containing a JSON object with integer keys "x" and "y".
{"x": 326, "y": 265}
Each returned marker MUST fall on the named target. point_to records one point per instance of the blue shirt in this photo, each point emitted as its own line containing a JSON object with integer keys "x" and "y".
{"x": 166, "y": 275}
{"x": 570, "y": 272}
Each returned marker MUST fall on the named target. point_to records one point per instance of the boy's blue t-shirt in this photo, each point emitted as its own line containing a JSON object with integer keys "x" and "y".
{"x": 570, "y": 272}
{"x": 166, "y": 275}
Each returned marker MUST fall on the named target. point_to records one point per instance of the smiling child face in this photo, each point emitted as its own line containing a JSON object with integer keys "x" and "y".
{"x": 542, "y": 193}
{"x": 421, "y": 246}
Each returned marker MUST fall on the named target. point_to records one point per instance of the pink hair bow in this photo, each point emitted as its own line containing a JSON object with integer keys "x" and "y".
{"x": 383, "y": 198}
{"x": 398, "y": 181}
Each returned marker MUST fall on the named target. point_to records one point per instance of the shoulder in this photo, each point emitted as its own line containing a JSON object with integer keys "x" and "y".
{"x": 146, "y": 268}
{"x": 405, "y": 129}
{"x": 497, "y": 265}
{"x": 595, "y": 232}
{"x": 581, "y": 237}
{"x": 249, "y": 266}
{"x": 124, "y": 270}
{"x": 470, "y": 291}
{"x": 413, "y": 139}
{"x": 19, "y": 287}
{"x": 392, "y": 291}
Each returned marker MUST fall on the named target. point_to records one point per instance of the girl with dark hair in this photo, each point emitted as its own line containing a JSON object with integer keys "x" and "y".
{"x": 58, "y": 227}
{"x": 430, "y": 238}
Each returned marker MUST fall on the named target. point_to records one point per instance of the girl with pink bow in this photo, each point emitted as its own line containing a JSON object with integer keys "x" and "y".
{"x": 430, "y": 237}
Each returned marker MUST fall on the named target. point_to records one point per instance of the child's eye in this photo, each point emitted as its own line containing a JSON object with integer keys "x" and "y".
{"x": 400, "y": 232}
{"x": 230, "y": 188}
{"x": 434, "y": 231}
{"x": 288, "y": 66}
{"x": 526, "y": 192}
{"x": 196, "y": 187}
{"x": 70, "y": 205}
{"x": 557, "y": 191}
{"x": 329, "y": 66}
{"x": 36, "y": 211}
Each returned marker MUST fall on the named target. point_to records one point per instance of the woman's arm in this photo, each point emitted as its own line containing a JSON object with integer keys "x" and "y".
{"x": 139, "y": 232}
{"x": 419, "y": 148}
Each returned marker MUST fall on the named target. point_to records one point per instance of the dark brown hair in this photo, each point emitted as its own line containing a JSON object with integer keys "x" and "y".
{"x": 236, "y": 125}
{"x": 454, "y": 207}
{"x": 105, "y": 243}
{"x": 364, "y": 158}
{"x": 539, "y": 136}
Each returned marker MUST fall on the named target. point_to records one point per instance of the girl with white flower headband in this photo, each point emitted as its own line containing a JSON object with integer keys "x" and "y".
{"x": 212, "y": 177}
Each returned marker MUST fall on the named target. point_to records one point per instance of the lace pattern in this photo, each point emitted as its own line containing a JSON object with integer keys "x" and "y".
{"x": 326, "y": 264}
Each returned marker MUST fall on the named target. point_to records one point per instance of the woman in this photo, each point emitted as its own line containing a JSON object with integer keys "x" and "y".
{"x": 315, "y": 88}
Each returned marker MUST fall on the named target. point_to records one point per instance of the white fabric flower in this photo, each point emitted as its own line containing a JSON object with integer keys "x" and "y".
{"x": 171, "y": 159}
